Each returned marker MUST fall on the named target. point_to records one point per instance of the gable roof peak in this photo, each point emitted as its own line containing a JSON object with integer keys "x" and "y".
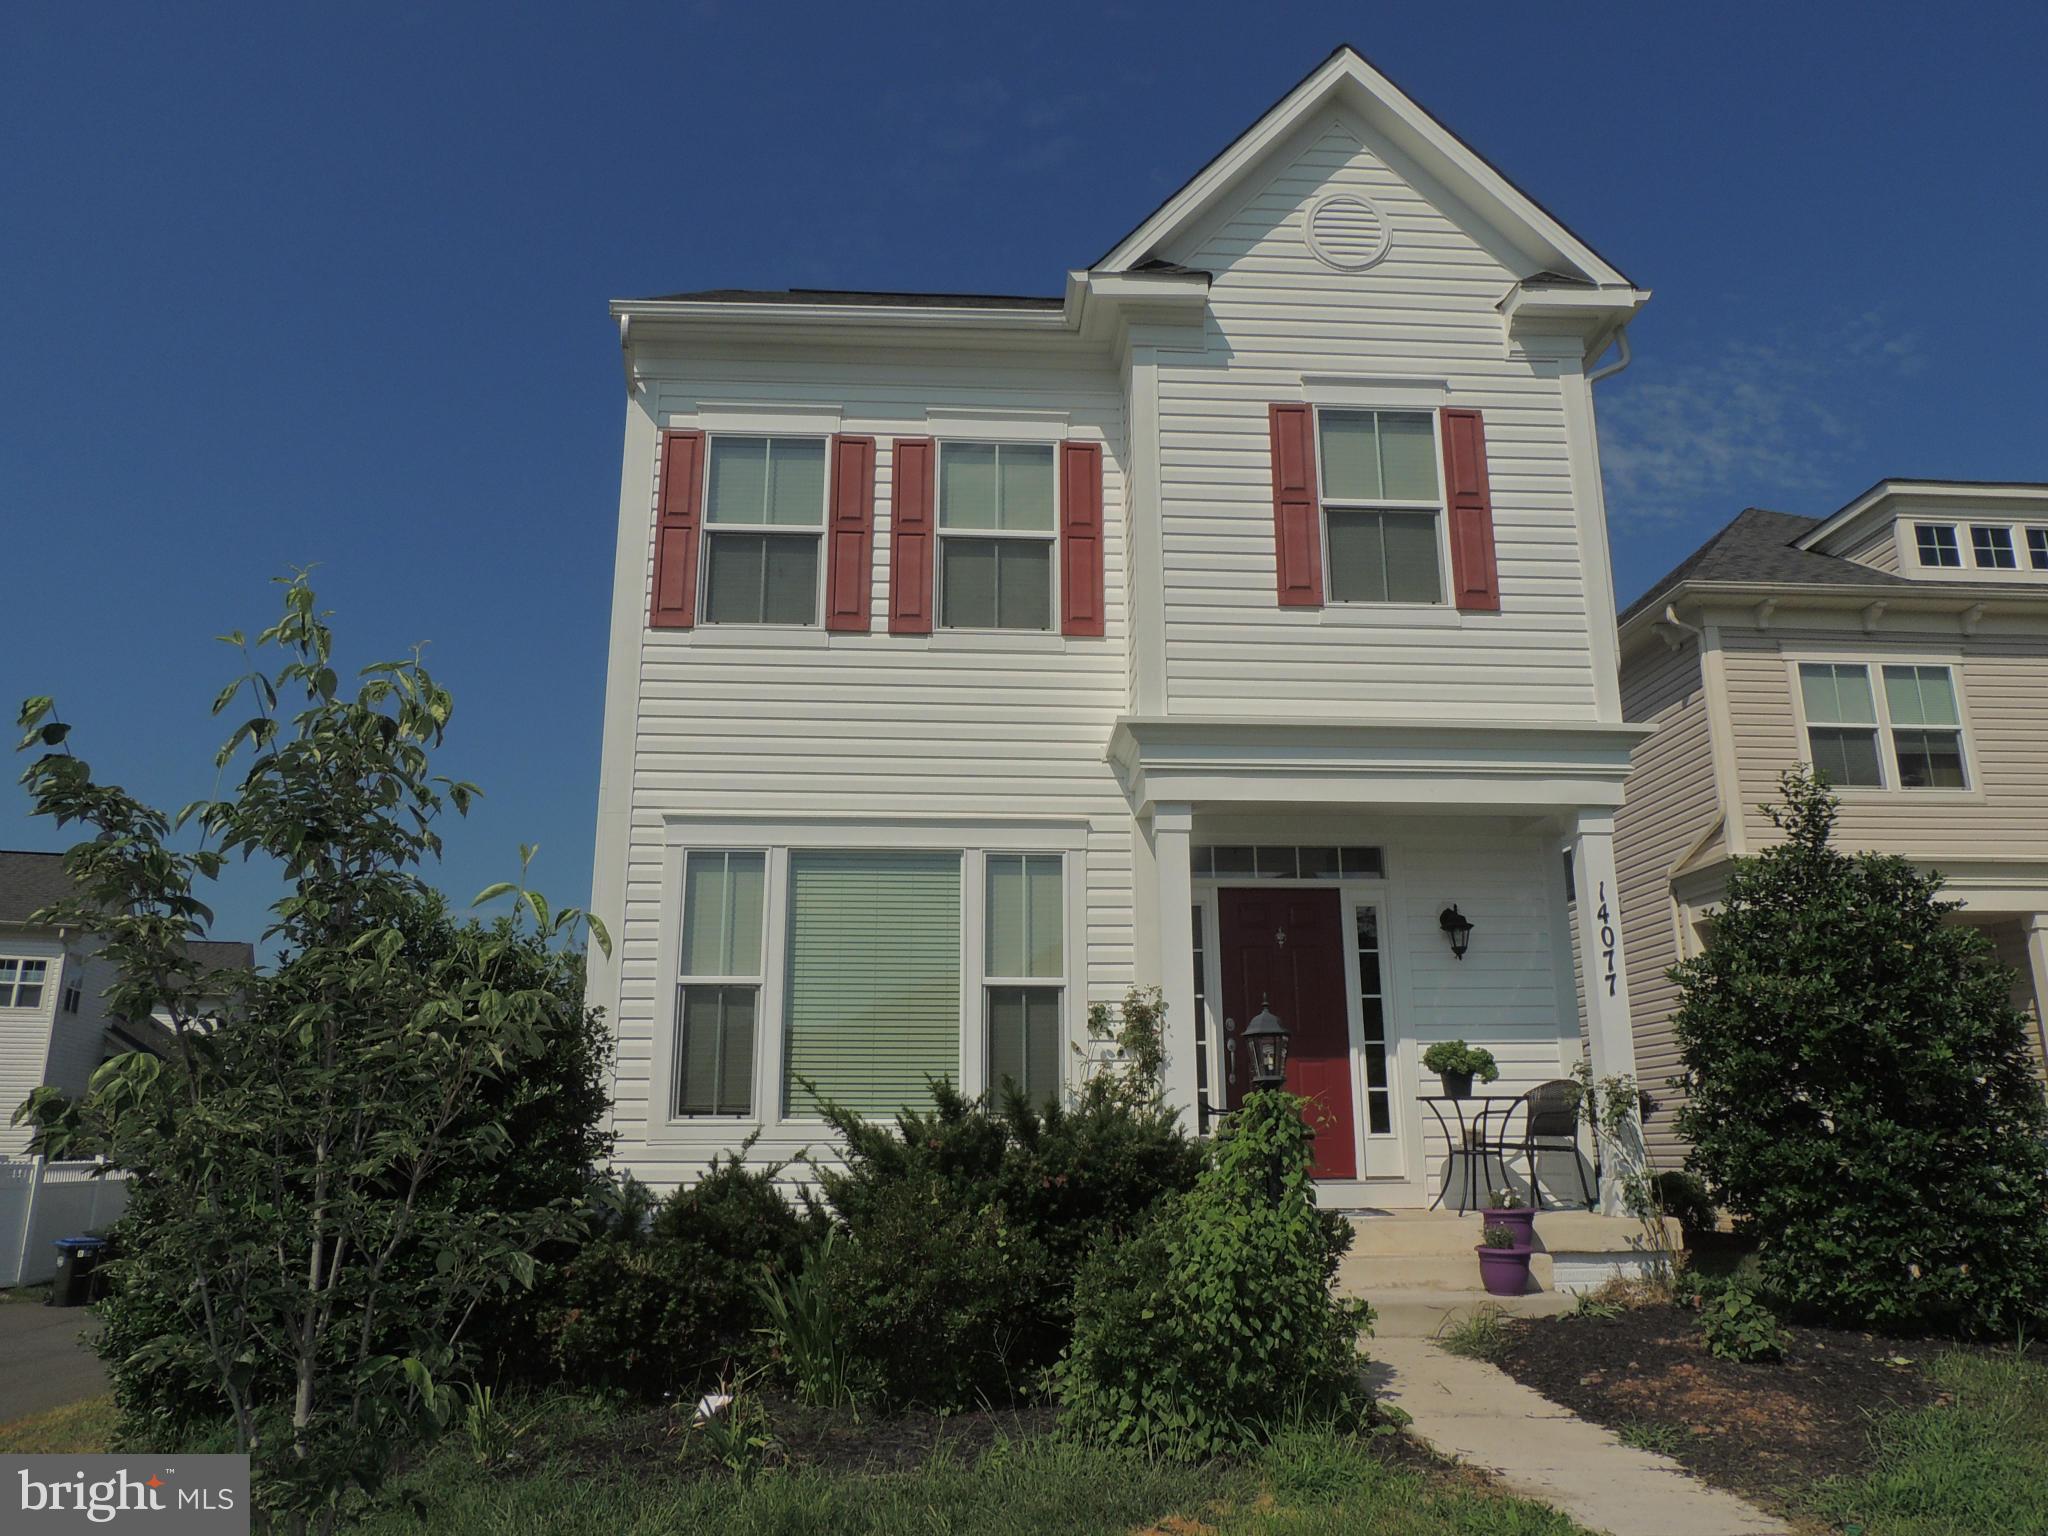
{"x": 1348, "y": 76}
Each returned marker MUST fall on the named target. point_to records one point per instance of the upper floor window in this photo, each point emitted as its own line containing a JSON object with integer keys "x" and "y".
{"x": 1991, "y": 543}
{"x": 1849, "y": 724}
{"x": 1382, "y": 506}
{"x": 764, "y": 519}
{"x": 1937, "y": 543}
{"x": 2037, "y": 548}
{"x": 73, "y": 997}
{"x": 997, "y": 527}
{"x": 21, "y": 983}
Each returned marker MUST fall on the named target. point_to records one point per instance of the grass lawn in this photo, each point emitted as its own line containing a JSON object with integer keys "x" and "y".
{"x": 1307, "y": 1484}
{"x": 1969, "y": 1467}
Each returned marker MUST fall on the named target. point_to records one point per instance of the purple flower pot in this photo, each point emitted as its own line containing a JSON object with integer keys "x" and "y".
{"x": 1504, "y": 1271}
{"x": 1521, "y": 1221}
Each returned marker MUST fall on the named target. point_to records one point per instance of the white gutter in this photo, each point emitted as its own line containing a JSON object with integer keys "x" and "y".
{"x": 1622, "y": 359}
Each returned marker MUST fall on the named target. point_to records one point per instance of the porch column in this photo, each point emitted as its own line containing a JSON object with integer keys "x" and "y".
{"x": 1173, "y": 896}
{"x": 1603, "y": 983}
{"x": 2034, "y": 925}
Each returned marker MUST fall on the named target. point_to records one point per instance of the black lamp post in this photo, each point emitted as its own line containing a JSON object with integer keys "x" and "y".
{"x": 1457, "y": 928}
{"x": 1266, "y": 1038}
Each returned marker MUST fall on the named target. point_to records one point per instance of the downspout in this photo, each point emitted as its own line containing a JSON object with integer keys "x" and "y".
{"x": 1623, "y": 358}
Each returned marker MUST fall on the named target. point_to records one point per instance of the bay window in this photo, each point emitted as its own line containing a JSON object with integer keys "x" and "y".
{"x": 997, "y": 527}
{"x": 1382, "y": 505}
{"x": 764, "y": 519}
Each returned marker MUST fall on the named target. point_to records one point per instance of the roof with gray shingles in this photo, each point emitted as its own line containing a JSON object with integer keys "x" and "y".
{"x": 1758, "y": 547}
{"x": 31, "y": 881}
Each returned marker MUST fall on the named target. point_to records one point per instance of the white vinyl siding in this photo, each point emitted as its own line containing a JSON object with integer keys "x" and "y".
{"x": 1279, "y": 321}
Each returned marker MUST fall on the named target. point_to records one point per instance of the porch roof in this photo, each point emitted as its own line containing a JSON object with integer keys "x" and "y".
{"x": 1495, "y": 765}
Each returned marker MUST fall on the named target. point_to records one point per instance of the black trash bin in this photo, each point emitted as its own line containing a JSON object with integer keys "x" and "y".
{"x": 78, "y": 1262}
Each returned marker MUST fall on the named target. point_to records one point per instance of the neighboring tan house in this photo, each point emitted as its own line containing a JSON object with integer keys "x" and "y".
{"x": 1900, "y": 646}
{"x": 1219, "y": 624}
{"x": 54, "y": 1025}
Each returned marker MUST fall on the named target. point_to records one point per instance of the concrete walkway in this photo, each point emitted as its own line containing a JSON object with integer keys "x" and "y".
{"x": 1470, "y": 1410}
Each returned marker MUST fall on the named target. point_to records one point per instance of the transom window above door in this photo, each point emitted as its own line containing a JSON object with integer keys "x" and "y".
{"x": 1281, "y": 861}
{"x": 1850, "y": 723}
{"x": 1382, "y": 503}
{"x": 997, "y": 525}
{"x": 764, "y": 518}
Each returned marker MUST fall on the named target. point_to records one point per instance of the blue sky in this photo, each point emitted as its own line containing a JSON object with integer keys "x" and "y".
{"x": 291, "y": 284}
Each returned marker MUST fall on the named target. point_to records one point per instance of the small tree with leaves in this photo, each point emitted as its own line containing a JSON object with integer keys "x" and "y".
{"x": 1861, "y": 1094}
{"x": 296, "y": 1148}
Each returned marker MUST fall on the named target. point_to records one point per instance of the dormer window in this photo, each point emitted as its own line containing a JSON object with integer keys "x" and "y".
{"x": 1937, "y": 542}
{"x": 1992, "y": 545}
{"x": 2037, "y": 548}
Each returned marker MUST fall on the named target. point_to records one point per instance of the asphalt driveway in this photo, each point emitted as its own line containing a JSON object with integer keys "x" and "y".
{"x": 43, "y": 1360}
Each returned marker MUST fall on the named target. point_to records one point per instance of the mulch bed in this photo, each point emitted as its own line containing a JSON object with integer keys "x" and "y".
{"x": 1758, "y": 1429}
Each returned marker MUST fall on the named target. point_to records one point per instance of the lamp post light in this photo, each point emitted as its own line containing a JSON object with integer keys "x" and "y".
{"x": 1266, "y": 1038}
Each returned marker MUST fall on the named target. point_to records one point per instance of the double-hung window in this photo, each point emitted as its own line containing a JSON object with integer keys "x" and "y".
{"x": 1991, "y": 543}
{"x": 719, "y": 1000}
{"x": 1937, "y": 544}
{"x": 21, "y": 983}
{"x": 1841, "y": 723}
{"x": 997, "y": 526}
{"x": 1024, "y": 962}
{"x": 873, "y": 979}
{"x": 764, "y": 519}
{"x": 1382, "y": 506}
{"x": 1927, "y": 727}
{"x": 1848, "y": 723}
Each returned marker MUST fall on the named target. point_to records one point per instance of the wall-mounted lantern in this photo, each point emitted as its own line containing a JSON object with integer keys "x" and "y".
{"x": 1457, "y": 928}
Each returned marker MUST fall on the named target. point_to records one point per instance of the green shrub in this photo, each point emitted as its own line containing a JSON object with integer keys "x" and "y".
{"x": 1861, "y": 1092}
{"x": 1216, "y": 1324}
{"x": 1682, "y": 1195}
{"x": 1739, "y": 1326}
{"x": 964, "y": 1228}
{"x": 672, "y": 1308}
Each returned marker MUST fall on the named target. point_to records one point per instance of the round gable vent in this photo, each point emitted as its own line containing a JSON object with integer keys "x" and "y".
{"x": 1347, "y": 232}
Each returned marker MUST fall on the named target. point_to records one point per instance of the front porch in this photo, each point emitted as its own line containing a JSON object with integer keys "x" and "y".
{"x": 1432, "y": 1251}
{"x": 1316, "y": 865}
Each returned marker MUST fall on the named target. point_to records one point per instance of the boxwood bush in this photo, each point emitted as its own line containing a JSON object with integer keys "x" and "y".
{"x": 1862, "y": 1096}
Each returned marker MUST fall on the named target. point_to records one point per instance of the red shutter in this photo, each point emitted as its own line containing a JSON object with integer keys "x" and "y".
{"x": 1080, "y": 538}
{"x": 674, "y": 604}
{"x": 1297, "y": 524}
{"x": 850, "y": 535}
{"x": 910, "y": 537}
{"x": 1475, "y": 579}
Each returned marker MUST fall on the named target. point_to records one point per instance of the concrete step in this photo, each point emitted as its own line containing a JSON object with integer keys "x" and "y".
{"x": 1434, "y": 1250}
{"x": 1360, "y": 1273}
{"x": 1404, "y": 1312}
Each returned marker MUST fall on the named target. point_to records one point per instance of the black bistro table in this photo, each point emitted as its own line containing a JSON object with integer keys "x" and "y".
{"x": 1471, "y": 1115}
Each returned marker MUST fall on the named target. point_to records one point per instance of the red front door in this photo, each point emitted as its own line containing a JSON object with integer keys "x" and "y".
{"x": 1284, "y": 950}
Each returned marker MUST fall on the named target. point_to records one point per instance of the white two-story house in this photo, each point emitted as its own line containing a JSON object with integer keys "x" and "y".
{"x": 1218, "y": 624}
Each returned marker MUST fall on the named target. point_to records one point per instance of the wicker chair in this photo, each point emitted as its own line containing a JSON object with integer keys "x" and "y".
{"x": 1549, "y": 1123}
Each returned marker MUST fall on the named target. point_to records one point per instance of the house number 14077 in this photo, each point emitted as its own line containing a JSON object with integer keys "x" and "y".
{"x": 1607, "y": 938}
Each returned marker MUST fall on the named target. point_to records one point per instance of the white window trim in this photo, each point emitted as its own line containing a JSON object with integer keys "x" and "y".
{"x": 940, "y": 533}
{"x": 757, "y": 980}
{"x": 2012, "y": 547}
{"x": 1887, "y": 749}
{"x": 15, "y": 980}
{"x": 706, "y": 529}
{"x": 778, "y": 836}
{"x": 1439, "y": 508}
{"x": 1914, "y": 525}
{"x": 2023, "y": 570}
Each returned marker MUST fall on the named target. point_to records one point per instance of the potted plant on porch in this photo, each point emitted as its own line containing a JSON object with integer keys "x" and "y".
{"x": 1503, "y": 1262}
{"x": 1508, "y": 1209}
{"x": 1457, "y": 1064}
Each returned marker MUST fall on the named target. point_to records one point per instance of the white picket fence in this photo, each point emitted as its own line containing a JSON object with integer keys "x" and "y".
{"x": 41, "y": 1202}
